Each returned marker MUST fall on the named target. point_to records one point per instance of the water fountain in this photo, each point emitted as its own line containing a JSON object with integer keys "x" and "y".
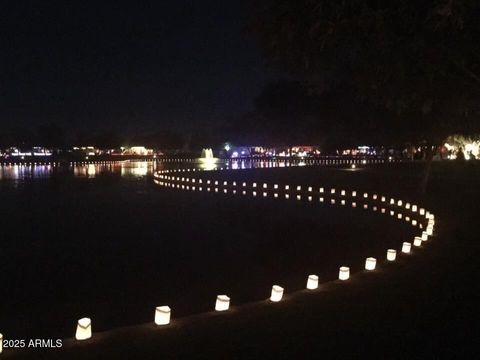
{"x": 207, "y": 154}
{"x": 207, "y": 161}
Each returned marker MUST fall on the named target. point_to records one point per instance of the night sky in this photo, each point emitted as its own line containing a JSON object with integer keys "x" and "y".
{"x": 127, "y": 66}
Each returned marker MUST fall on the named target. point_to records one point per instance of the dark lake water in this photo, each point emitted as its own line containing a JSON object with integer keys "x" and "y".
{"x": 107, "y": 242}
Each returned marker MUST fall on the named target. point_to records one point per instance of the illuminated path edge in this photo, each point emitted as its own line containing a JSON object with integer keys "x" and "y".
{"x": 190, "y": 179}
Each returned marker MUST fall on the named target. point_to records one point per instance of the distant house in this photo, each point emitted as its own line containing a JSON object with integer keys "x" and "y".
{"x": 137, "y": 150}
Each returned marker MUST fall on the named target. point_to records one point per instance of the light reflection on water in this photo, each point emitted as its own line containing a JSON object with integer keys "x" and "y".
{"x": 129, "y": 169}
{"x": 124, "y": 169}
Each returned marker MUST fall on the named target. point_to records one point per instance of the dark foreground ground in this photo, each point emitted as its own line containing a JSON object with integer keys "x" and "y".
{"x": 421, "y": 307}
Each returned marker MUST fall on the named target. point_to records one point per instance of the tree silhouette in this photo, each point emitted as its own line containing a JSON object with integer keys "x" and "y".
{"x": 419, "y": 60}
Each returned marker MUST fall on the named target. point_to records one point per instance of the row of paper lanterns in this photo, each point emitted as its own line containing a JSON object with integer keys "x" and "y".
{"x": 57, "y": 163}
{"x": 163, "y": 313}
{"x": 292, "y": 160}
{"x": 392, "y": 202}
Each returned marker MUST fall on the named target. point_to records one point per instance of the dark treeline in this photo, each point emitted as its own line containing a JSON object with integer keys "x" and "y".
{"x": 368, "y": 71}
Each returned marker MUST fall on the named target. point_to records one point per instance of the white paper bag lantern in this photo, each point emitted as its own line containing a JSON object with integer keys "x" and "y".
{"x": 321, "y": 190}
{"x": 383, "y": 198}
{"x": 312, "y": 282}
{"x": 275, "y": 186}
{"x": 424, "y": 236}
{"x": 406, "y": 247}
{"x": 414, "y": 208}
{"x": 265, "y": 186}
{"x": 417, "y": 241}
{"x": 429, "y": 230}
{"x": 391, "y": 254}
{"x": 84, "y": 329}
{"x": 374, "y": 196}
{"x": 287, "y": 187}
{"x": 399, "y": 216}
{"x": 162, "y": 315}
{"x": 277, "y": 293}
{"x": 422, "y": 211}
{"x": 223, "y": 303}
{"x": 342, "y": 193}
{"x": 299, "y": 188}
{"x": 414, "y": 222}
{"x": 344, "y": 273}
{"x": 254, "y": 184}
{"x": 354, "y": 204}
{"x": 354, "y": 193}
{"x": 332, "y": 191}
{"x": 365, "y": 195}
{"x": 399, "y": 203}
{"x": 1, "y": 343}
{"x": 370, "y": 263}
